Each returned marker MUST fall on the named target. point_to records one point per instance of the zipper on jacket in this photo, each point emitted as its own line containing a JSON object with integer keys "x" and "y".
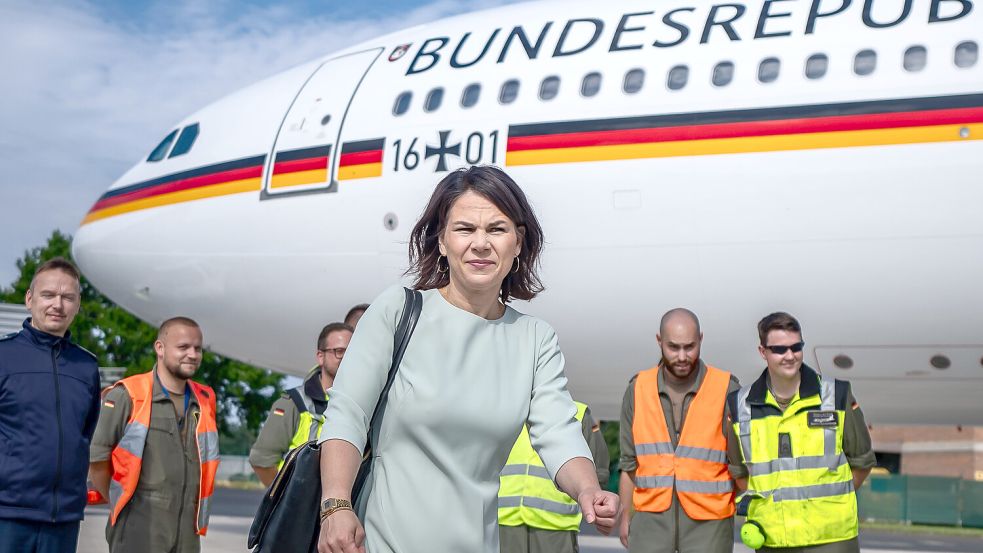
{"x": 54, "y": 496}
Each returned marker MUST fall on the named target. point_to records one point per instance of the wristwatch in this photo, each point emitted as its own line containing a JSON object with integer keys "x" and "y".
{"x": 332, "y": 505}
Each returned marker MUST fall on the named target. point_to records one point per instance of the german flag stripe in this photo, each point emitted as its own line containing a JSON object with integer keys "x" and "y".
{"x": 215, "y": 190}
{"x": 281, "y": 167}
{"x": 904, "y": 121}
{"x": 303, "y": 153}
{"x": 361, "y": 159}
{"x": 299, "y": 178}
{"x": 232, "y": 171}
{"x": 363, "y": 146}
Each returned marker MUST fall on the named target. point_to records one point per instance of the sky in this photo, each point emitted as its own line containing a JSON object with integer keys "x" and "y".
{"x": 91, "y": 87}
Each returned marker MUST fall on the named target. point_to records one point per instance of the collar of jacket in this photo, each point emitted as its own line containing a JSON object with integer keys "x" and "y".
{"x": 43, "y": 339}
{"x": 808, "y": 385}
{"x": 313, "y": 389}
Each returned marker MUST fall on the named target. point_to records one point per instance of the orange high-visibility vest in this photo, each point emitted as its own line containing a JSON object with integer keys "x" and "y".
{"x": 127, "y": 456}
{"x": 697, "y": 466}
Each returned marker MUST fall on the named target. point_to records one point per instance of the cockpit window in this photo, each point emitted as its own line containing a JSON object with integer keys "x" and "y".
{"x": 161, "y": 150}
{"x": 185, "y": 141}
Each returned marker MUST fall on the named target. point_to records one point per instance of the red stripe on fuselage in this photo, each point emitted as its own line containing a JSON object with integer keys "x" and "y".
{"x": 181, "y": 184}
{"x": 282, "y": 167}
{"x": 360, "y": 158}
{"x": 752, "y": 128}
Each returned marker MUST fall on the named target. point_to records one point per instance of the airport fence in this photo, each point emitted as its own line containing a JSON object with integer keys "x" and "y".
{"x": 909, "y": 499}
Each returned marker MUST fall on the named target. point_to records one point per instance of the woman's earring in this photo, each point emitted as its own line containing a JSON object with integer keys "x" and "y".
{"x": 438, "y": 264}
{"x": 516, "y": 269}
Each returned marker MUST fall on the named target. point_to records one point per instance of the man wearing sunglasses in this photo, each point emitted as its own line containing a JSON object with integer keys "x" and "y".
{"x": 296, "y": 417}
{"x": 799, "y": 448}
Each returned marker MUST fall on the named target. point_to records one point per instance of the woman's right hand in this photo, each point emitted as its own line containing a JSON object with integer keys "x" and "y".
{"x": 341, "y": 532}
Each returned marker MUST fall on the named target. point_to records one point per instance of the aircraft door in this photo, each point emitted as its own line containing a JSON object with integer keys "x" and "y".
{"x": 306, "y": 149}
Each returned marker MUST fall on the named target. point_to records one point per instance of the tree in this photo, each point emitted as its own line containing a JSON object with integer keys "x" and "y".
{"x": 119, "y": 339}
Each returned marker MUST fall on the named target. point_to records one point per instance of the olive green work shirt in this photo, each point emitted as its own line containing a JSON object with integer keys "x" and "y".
{"x": 672, "y": 530}
{"x": 161, "y": 514}
{"x": 273, "y": 442}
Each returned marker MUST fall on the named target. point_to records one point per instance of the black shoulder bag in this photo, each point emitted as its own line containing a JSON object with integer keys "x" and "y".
{"x": 288, "y": 520}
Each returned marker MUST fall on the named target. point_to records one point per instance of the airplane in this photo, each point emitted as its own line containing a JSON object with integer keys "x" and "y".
{"x": 820, "y": 157}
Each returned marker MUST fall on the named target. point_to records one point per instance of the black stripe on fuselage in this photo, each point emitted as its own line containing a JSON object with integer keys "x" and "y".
{"x": 191, "y": 173}
{"x": 750, "y": 115}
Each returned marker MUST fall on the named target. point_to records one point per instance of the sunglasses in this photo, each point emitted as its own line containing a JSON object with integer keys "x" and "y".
{"x": 780, "y": 350}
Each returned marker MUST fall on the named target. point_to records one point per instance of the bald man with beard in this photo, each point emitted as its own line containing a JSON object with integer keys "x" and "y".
{"x": 677, "y": 495}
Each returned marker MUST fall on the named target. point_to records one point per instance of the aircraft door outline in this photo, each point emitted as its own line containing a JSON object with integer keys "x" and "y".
{"x": 303, "y": 158}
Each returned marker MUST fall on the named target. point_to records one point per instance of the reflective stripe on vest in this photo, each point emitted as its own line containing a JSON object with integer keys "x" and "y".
{"x": 697, "y": 466}
{"x": 308, "y": 426}
{"x": 785, "y": 487}
{"x": 527, "y": 495}
{"x": 127, "y": 456}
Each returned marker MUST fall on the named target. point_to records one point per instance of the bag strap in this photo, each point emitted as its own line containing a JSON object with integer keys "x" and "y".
{"x": 412, "y": 306}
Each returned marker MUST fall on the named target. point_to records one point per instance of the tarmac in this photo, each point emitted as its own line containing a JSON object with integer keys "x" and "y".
{"x": 234, "y": 509}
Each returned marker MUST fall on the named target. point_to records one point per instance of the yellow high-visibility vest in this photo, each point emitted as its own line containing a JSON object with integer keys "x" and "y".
{"x": 799, "y": 479}
{"x": 527, "y": 495}
{"x": 308, "y": 427}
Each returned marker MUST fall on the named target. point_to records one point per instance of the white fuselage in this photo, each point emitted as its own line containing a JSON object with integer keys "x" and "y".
{"x": 851, "y": 201}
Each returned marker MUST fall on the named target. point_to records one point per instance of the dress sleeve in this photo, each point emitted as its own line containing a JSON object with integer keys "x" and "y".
{"x": 554, "y": 429}
{"x": 363, "y": 371}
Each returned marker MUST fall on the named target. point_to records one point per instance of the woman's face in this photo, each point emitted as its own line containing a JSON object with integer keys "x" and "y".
{"x": 480, "y": 243}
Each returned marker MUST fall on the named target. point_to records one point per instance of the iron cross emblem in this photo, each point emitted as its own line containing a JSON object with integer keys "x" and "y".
{"x": 442, "y": 151}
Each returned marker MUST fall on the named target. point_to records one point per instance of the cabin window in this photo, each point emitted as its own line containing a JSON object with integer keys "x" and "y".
{"x": 723, "y": 73}
{"x": 185, "y": 141}
{"x": 402, "y": 103}
{"x": 161, "y": 150}
{"x": 590, "y": 85}
{"x": 768, "y": 70}
{"x": 816, "y": 66}
{"x": 634, "y": 80}
{"x": 677, "y": 77}
{"x": 865, "y": 62}
{"x": 470, "y": 95}
{"x": 549, "y": 88}
{"x": 966, "y": 54}
{"x": 509, "y": 92}
{"x": 433, "y": 100}
{"x": 915, "y": 59}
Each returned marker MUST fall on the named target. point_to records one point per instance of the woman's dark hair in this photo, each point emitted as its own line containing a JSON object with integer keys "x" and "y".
{"x": 494, "y": 185}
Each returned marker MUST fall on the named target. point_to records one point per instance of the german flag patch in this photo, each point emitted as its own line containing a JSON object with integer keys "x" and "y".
{"x": 278, "y": 411}
{"x": 109, "y": 403}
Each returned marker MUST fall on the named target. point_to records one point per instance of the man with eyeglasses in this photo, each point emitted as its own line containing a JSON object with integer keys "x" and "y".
{"x": 297, "y": 416}
{"x": 799, "y": 449}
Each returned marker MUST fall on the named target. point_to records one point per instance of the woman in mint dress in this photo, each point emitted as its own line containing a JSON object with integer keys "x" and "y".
{"x": 473, "y": 373}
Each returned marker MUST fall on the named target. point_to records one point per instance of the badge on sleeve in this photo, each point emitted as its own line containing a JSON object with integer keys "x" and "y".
{"x": 823, "y": 419}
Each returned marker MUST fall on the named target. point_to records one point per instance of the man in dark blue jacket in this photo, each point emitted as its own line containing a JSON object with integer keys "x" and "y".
{"x": 49, "y": 405}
